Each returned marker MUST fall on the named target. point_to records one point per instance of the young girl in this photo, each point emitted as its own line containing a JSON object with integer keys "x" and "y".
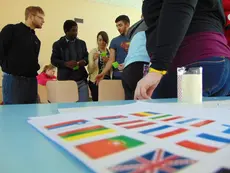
{"x": 46, "y": 75}
{"x": 98, "y": 58}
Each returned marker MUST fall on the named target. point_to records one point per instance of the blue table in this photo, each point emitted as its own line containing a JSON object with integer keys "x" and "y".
{"x": 24, "y": 150}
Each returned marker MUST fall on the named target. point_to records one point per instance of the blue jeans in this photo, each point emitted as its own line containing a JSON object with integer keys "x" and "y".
{"x": 216, "y": 79}
{"x": 83, "y": 91}
{"x": 7, "y": 88}
{"x": 19, "y": 90}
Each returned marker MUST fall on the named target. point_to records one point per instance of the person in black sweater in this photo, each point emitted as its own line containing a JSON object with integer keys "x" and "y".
{"x": 70, "y": 56}
{"x": 185, "y": 33}
{"x": 19, "y": 51}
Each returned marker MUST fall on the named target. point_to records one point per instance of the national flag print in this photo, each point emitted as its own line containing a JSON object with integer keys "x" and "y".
{"x": 168, "y": 131}
{"x": 214, "y": 138}
{"x": 106, "y": 147}
{"x": 85, "y": 132}
{"x": 171, "y": 133}
{"x": 166, "y": 118}
{"x": 158, "y": 161}
{"x": 187, "y": 121}
{"x": 172, "y": 118}
{"x": 197, "y": 146}
{"x": 145, "y": 114}
{"x": 227, "y": 131}
{"x": 134, "y": 124}
{"x": 202, "y": 123}
{"x": 160, "y": 117}
{"x": 65, "y": 124}
{"x": 111, "y": 117}
{"x": 155, "y": 129}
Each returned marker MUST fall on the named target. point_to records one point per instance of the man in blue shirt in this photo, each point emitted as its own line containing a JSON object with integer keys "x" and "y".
{"x": 118, "y": 49}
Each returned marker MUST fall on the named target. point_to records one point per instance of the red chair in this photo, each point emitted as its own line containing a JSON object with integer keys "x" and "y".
{"x": 226, "y": 6}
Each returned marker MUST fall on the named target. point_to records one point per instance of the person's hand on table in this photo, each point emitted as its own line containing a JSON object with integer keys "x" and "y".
{"x": 147, "y": 85}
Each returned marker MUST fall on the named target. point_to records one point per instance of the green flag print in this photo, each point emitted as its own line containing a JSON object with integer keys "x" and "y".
{"x": 106, "y": 147}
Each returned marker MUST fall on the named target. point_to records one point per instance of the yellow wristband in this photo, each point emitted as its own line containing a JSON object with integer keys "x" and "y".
{"x": 163, "y": 72}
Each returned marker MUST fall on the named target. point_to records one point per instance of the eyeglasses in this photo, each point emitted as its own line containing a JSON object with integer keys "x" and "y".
{"x": 42, "y": 18}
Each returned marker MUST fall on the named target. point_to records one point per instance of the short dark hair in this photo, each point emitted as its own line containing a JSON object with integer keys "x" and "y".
{"x": 104, "y": 36}
{"x": 68, "y": 25}
{"x": 122, "y": 18}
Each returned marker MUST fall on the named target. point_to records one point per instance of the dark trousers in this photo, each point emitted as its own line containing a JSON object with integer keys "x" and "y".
{"x": 94, "y": 91}
{"x": 19, "y": 90}
{"x": 130, "y": 77}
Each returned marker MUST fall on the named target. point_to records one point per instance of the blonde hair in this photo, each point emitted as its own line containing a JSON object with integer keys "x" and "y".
{"x": 33, "y": 10}
{"x": 48, "y": 67}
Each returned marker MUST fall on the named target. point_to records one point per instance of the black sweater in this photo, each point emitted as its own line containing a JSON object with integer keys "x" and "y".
{"x": 60, "y": 55}
{"x": 19, "y": 50}
{"x": 169, "y": 21}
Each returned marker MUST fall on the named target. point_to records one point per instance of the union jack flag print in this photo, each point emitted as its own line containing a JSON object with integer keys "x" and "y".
{"x": 158, "y": 161}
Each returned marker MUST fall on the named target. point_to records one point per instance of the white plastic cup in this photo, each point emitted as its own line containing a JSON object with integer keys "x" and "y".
{"x": 190, "y": 86}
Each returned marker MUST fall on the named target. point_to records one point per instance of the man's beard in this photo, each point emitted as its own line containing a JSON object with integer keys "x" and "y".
{"x": 122, "y": 33}
{"x": 36, "y": 25}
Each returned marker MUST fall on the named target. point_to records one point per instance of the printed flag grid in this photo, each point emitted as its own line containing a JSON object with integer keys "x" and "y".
{"x": 163, "y": 131}
{"x": 202, "y": 142}
{"x": 205, "y": 142}
{"x": 180, "y": 120}
{"x": 159, "y": 130}
{"x": 156, "y": 117}
{"x": 158, "y": 161}
{"x": 134, "y": 124}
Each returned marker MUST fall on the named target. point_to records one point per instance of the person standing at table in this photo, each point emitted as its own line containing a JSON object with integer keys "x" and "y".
{"x": 19, "y": 51}
{"x": 70, "y": 56}
{"x": 137, "y": 61}
{"x": 98, "y": 57}
{"x": 118, "y": 49}
{"x": 185, "y": 33}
